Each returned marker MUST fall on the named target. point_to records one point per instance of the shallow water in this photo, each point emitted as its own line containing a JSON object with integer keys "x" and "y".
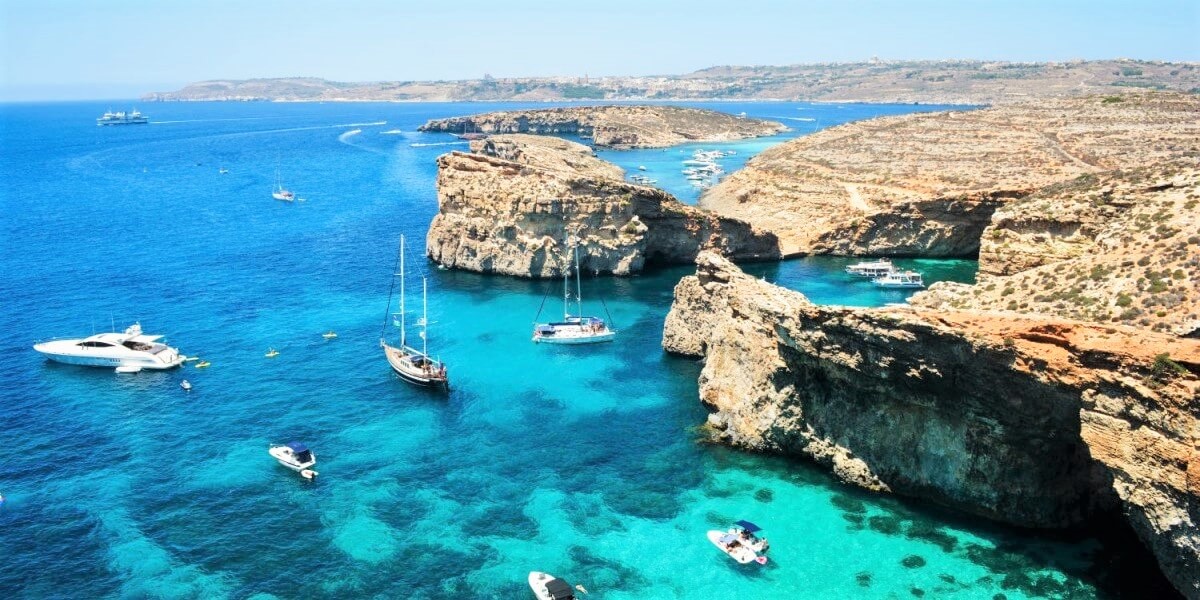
{"x": 577, "y": 461}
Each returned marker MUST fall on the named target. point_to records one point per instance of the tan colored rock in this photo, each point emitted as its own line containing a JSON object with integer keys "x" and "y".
{"x": 507, "y": 207}
{"x": 621, "y": 126}
{"x": 1114, "y": 247}
{"x": 1036, "y": 421}
{"x": 927, "y": 184}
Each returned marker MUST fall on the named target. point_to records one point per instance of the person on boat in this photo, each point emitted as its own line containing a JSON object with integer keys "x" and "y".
{"x": 765, "y": 546}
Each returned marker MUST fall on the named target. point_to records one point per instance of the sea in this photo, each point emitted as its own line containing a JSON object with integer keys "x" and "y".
{"x": 583, "y": 462}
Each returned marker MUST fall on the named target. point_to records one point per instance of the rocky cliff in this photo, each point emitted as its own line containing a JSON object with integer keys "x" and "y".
{"x": 1035, "y": 421}
{"x": 928, "y": 184}
{"x": 508, "y": 205}
{"x": 1114, "y": 247}
{"x": 624, "y": 126}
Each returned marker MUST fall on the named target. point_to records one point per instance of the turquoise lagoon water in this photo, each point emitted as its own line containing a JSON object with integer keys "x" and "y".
{"x": 581, "y": 462}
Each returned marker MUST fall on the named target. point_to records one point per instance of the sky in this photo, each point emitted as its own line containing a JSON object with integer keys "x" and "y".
{"x": 79, "y": 49}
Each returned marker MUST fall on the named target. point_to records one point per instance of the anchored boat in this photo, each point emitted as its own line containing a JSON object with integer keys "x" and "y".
{"x": 549, "y": 587}
{"x": 872, "y": 269}
{"x": 293, "y": 455}
{"x": 740, "y": 543}
{"x": 577, "y": 328}
{"x": 900, "y": 279}
{"x": 412, "y": 365}
{"x": 129, "y": 352}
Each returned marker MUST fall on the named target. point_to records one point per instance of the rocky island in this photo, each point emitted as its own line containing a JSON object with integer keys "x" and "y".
{"x": 1032, "y": 420}
{"x": 625, "y": 126}
{"x": 509, "y": 205}
{"x": 928, "y": 184}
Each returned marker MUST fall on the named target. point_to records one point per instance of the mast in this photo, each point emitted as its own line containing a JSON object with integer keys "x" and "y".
{"x": 402, "y": 316}
{"x": 566, "y": 281}
{"x": 424, "y": 319}
{"x": 578, "y": 289}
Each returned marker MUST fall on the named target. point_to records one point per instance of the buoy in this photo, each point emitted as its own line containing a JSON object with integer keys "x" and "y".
{"x": 762, "y": 560}
{"x": 308, "y": 474}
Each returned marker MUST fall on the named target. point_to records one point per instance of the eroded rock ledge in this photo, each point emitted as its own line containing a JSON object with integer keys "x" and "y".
{"x": 616, "y": 126}
{"x": 507, "y": 206}
{"x": 1040, "y": 422}
{"x": 928, "y": 184}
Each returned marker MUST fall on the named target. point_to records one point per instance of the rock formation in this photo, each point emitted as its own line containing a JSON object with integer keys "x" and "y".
{"x": 1035, "y": 421}
{"x": 507, "y": 207}
{"x": 928, "y": 184}
{"x": 623, "y": 126}
{"x": 1115, "y": 247}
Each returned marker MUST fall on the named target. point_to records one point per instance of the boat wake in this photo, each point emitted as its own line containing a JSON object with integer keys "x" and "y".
{"x": 391, "y": 132}
{"x": 348, "y": 134}
{"x": 420, "y": 145}
{"x": 795, "y": 118}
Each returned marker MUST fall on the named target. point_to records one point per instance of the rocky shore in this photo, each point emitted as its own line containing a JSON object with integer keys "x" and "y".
{"x": 507, "y": 207}
{"x": 928, "y": 184}
{"x": 624, "y": 126}
{"x": 1031, "y": 420}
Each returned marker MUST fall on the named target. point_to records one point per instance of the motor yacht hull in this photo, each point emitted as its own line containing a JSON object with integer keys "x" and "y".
{"x": 286, "y": 458}
{"x": 68, "y": 352}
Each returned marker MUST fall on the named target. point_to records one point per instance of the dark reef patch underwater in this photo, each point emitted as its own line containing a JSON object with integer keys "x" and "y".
{"x": 575, "y": 461}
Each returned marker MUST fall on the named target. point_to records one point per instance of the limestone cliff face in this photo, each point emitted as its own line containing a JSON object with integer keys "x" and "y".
{"x": 928, "y": 184}
{"x": 1114, "y": 247}
{"x": 622, "y": 126}
{"x": 1029, "y": 420}
{"x": 508, "y": 206}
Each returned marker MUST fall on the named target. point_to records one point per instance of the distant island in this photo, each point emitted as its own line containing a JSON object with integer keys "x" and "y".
{"x": 930, "y": 82}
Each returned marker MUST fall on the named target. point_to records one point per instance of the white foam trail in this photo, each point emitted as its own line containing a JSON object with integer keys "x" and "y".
{"x": 795, "y": 118}
{"x": 420, "y": 145}
{"x": 391, "y": 132}
{"x": 214, "y": 120}
{"x": 346, "y": 136}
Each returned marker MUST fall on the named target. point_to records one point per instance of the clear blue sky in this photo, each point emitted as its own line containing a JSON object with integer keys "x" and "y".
{"x": 120, "y": 48}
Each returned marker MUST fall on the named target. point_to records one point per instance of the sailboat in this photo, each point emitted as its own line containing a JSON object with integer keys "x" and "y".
{"x": 577, "y": 328}
{"x": 279, "y": 193}
{"x": 412, "y": 365}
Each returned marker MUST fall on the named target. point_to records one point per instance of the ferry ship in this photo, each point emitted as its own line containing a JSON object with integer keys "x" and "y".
{"x": 132, "y": 117}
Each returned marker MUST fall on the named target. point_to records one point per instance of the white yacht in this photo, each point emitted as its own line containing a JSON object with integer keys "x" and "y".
{"x": 740, "y": 543}
{"x": 577, "y": 328}
{"x": 294, "y": 455}
{"x": 901, "y": 279}
{"x": 872, "y": 269}
{"x": 549, "y": 587}
{"x": 125, "y": 351}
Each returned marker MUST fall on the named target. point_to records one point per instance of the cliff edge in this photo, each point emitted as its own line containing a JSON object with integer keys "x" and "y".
{"x": 624, "y": 126}
{"x": 1035, "y": 421}
{"x": 928, "y": 184}
{"x": 508, "y": 205}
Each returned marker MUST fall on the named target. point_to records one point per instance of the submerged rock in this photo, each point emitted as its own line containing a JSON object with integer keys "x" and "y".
{"x": 1034, "y": 421}
{"x": 507, "y": 207}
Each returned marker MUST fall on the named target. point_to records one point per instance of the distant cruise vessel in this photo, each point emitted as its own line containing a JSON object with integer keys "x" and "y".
{"x": 132, "y": 117}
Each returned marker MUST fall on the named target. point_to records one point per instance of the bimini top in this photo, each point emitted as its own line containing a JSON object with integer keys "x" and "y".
{"x": 748, "y": 526}
{"x": 559, "y": 589}
{"x": 297, "y": 447}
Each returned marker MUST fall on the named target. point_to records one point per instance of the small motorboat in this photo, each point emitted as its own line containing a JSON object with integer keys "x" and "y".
{"x": 271, "y": 353}
{"x": 641, "y": 167}
{"x": 222, "y": 170}
{"x": 294, "y": 455}
{"x": 740, "y": 543}
{"x": 549, "y": 587}
{"x": 128, "y": 369}
{"x": 186, "y": 385}
{"x": 900, "y": 279}
{"x": 329, "y": 335}
{"x": 204, "y": 364}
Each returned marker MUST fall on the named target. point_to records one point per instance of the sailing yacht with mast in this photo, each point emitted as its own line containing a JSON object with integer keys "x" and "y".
{"x": 577, "y": 328}
{"x": 412, "y": 365}
{"x": 279, "y": 193}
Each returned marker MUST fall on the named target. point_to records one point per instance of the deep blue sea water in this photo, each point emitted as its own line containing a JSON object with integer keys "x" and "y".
{"x": 581, "y": 462}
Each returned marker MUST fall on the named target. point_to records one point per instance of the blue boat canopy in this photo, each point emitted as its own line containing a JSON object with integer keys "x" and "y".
{"x": 297, "y": 447}
{"x": 748, "y": 526}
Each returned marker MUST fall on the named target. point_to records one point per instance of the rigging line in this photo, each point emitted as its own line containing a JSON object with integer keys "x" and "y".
{"x": 387, "y": 313}
{"x": 607, "y": 314}
{"x": 549, "y": 288}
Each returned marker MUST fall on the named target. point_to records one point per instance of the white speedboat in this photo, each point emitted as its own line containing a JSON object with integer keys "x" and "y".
{"x": 125, "y": 351}
{"x": 412, "y": 365}
{"x": 549, "y": 587}
{"x": 872, "y": 269}
{"x": 294, "y": 455}
{"x": 577, "y": 328}
{"x": 740, "y": 543}
{"x": 900, "y": 279}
